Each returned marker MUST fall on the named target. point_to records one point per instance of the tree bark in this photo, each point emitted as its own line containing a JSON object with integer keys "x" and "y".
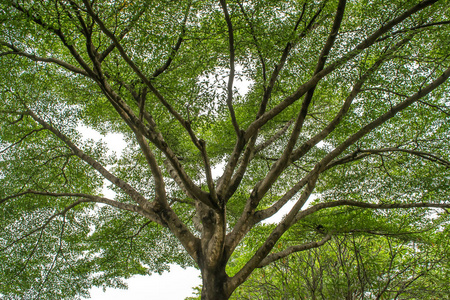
{"x": 213, "y": 281}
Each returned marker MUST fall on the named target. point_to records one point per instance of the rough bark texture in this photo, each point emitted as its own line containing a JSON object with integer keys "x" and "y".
{"x": 213, "y": 284}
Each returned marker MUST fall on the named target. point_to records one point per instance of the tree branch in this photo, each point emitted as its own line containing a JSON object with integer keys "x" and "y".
{"x": 160, "y": 189}
{"x": 140, "y": 74}
{"x": 92, "y": 199}
{"x": 232, "y": 69}
{"x": 413, "y": 29}
{"x": 202, "y": 196}
{"x": 279, "y": 166}
{"x": 261, "y": 215}
{"x": 255, "y": 39}
{"x": 252, "y": 129}
{"x": 274, "y": 138}
{"x": 361, "y": 153}
{"x": 177, "y": 46}
{"x": 290, "y": 218}
{"x": 440, "y": 108}
{"x": 273, "y": 237}
{"x": 58, "y": 32}
{"x": 64, "y": 211}
{"x": 285, "y": 55}
{"x": 124, "y": 32}
{"x": 130, "y": 191}
{"x": 356, "y": 89}
{"x": 322, "y": 165}
{"x": 163, "y": 209}
{"x": 321, "y": 206}
{"x": 137, "y": 126}
{"x": 21, "y": 139}
{"x": 67, "y": 66}
{"x": 288, "y": 251}
{"x": 268, "y": 212}
{"x": 224, "y": 188}
{"x": 249, "y": 154}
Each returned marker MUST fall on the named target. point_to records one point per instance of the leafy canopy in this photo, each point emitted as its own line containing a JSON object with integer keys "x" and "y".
{"x": 231, "y": 110}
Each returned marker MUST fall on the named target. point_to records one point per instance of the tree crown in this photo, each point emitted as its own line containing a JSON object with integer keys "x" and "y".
{"x": 230, "y": 112}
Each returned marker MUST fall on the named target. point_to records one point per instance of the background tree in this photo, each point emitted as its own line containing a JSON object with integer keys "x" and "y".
{"x": 366, "y": 263}
{"x": 348, "y": 101}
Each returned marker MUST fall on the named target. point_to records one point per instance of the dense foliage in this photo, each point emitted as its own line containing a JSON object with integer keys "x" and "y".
{"x": 335, "y": 110}
{"x": 363, "y": 264}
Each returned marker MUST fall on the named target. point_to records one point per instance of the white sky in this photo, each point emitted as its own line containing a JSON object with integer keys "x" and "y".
{"x": 174, "y": 285}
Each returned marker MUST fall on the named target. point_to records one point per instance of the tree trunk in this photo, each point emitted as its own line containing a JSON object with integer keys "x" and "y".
{"x": 214, "y": 284}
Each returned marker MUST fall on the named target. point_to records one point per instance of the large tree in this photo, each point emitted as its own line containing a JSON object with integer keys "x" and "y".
{"x": 343, "y": 100}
